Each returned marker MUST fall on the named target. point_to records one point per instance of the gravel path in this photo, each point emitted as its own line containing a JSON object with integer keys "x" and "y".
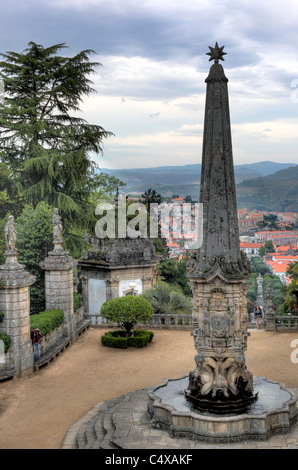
{"x": 37, "y": 411}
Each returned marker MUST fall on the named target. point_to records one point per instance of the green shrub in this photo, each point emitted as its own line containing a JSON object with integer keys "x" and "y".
{"x": 168, "y": 299}
{"x": 6, "y": 340}
{"x": 1, "y": 316}
{"x": 250, "y": 305}
{"x": 127, "y": 312}
{"x": 277, "y": 287}
{"x": 258, "y": 266}
{"x": 77, "y": 301}
{"x": 278, "y": 299}
{"x": 118, "y": 339}
{"x": 34, "y": 241}
{"x": 253, "y": 287}
{"x": 47, "y": 321}
{"x": 282, "y": 309}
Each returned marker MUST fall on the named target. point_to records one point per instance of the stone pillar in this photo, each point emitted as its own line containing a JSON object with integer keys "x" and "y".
{"x": 147, "y": 282}
{"x": 15, "y": 304}
{"x": 218, "y": 270}
{"x": 58, "y": 268}
{"x": 84, "y": 281}
{"x": 269, "y": 313}
{"x": 114, "y": 288}
{"x": 109, "y": 289}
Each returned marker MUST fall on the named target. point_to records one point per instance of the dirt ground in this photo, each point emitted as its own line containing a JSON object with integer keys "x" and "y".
{"x": 36, "y": 411}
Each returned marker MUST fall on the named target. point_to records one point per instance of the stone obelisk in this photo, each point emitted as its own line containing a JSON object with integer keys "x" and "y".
{"x": 218, "y": 270}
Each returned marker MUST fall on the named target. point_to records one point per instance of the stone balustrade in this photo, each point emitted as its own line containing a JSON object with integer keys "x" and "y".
{"x": 158, "y": 321}
{"x": 175, "y": 322}
{"x": 286, "y": 323}
{"x": 185, "y": 322}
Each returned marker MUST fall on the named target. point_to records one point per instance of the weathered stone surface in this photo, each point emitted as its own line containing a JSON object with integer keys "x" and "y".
{"x": 120, "y": 251}
{"x": 59, "y": 267}
{"x": 217, "y": 271}
{"x": 275, "y": 412}
{"x": 15, "y": 304}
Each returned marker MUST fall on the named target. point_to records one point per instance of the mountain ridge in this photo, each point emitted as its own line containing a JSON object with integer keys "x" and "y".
{"x": 276, "y": 191}
{"x": 189, "y": 174}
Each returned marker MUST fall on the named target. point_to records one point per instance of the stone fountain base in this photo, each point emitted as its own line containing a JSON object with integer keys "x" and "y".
{"x": 274, "y": 412}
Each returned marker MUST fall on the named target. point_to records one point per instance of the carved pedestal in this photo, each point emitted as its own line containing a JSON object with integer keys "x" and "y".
{"x": 220, "y": 338}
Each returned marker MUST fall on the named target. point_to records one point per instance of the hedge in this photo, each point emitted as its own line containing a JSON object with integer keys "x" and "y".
{"x": 6, "y": 340}
{"x": 258, "y": 266}
{"x": 277, "y": 287}
{"x": 47, "y": 321}
{"x": 253, "y": 287}
{"x": 117, "y": 339}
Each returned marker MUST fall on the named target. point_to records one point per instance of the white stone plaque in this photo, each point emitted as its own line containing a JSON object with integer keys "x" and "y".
{"x": 96, "y": 294}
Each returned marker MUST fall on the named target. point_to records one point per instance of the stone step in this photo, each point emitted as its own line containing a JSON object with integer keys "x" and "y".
{"x": 124, "y": 423}
{"x": 108, "y": 424}
{"x": 96, "y": 431}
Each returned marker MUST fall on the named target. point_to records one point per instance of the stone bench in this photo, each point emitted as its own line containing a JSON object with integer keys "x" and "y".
{"x": 82, "y": 326}
{"x": 51, "y": 353}
{"x": 8, "y": 373}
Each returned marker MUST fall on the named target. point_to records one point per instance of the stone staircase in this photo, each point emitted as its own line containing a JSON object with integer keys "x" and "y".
{"x": 113, "y": 424}
{"x": 124, "y": 423}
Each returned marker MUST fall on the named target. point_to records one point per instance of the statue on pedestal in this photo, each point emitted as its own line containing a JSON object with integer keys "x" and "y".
{"x": 10, "y": 234}
{"x": 57, "y": 231}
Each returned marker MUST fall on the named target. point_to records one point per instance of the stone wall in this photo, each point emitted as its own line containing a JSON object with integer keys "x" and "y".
{"x": 112, "y": 281}
{"x": 49, "y": 340}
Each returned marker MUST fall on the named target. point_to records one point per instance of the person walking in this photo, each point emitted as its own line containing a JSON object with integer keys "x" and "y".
{"x": 36, "y": 340}
{"x": 258, "y": 316}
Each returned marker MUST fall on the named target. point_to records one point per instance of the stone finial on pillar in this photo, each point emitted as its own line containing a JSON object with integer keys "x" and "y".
{"x": 15, "y": 304}
{"x": 59, "y": 266}
{"x": 269, "y": 312}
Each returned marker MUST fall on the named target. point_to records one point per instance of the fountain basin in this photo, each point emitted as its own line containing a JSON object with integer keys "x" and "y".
{"x": 274, "y": 412}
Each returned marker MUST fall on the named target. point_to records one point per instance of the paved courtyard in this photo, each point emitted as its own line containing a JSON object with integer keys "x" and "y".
{"x": 37, "y": 412}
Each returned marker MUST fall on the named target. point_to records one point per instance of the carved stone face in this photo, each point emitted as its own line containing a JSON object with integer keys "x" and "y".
{"x": 219, "y": 347}
{"x": 219, "y": 325}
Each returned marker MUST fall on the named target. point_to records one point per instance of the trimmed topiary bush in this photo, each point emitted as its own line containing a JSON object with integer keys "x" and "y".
{"x": 47, "y": 321}
{"x": 118, "y": 339}
{"x": 127, "y": 312}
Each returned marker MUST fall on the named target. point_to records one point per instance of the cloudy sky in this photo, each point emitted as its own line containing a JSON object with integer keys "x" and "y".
{"x": 150, "y": 87}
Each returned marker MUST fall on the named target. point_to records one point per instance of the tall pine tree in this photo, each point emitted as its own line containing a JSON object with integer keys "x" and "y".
{"x": 46, "y": 148}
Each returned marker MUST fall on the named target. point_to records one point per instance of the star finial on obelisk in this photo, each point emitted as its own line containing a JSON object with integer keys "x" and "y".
{"x": 216, "y": 53}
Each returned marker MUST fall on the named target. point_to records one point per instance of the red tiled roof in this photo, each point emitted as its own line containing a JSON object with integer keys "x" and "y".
{"x": 250, "y": 245}
{"x": 279, "y": 266}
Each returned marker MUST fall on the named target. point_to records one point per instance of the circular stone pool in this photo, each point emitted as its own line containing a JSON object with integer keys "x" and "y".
{"x": 274, "y": 412}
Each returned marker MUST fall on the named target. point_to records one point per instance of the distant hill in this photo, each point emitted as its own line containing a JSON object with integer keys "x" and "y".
{"x": 278, "y": 192}
{"x": 185, "y": 179}
{"x": 140, "y": 179}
